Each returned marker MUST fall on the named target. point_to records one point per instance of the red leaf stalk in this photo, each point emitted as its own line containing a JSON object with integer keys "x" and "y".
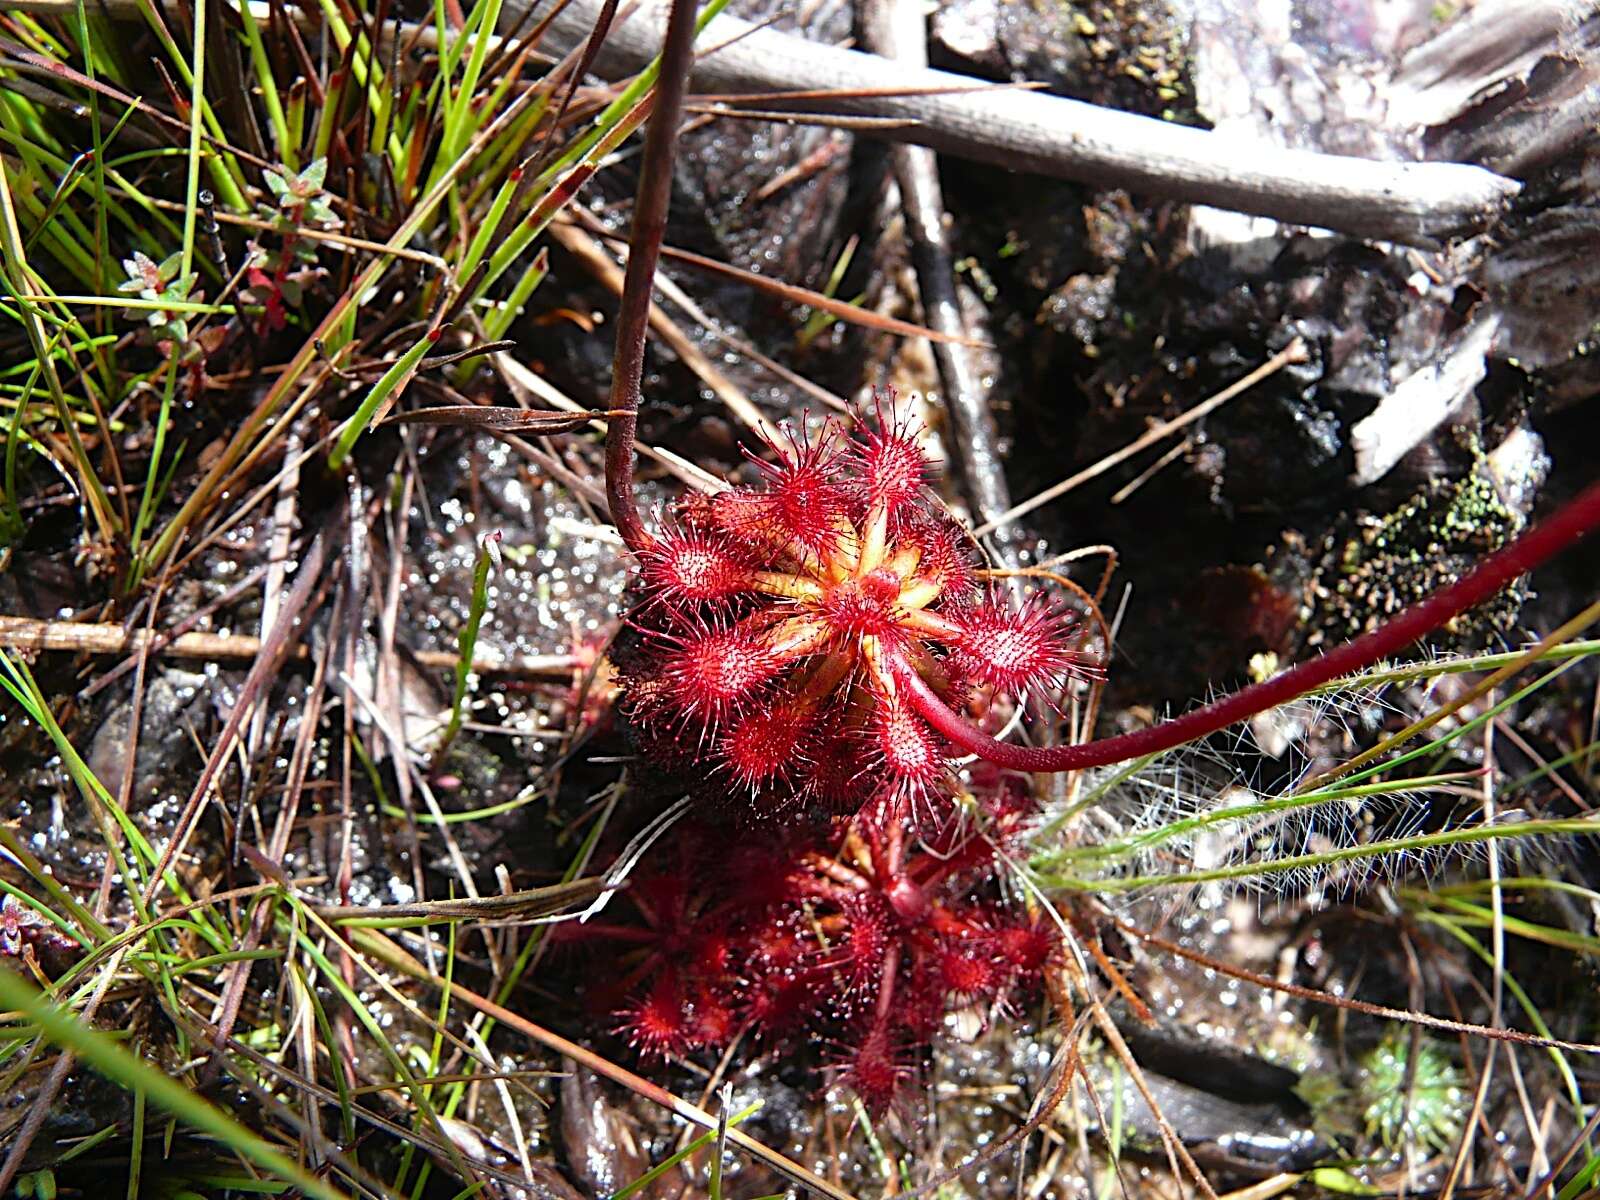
{"x": 1576, "y": 519}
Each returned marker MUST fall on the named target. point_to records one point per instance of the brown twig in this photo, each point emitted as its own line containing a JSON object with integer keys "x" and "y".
{"x": 1043, "y": 1108}
{"x": 588, "y": 251}
{"x": 1294, "y": 352}
{"x": 388, "y": 952}
{"x": 828, "y": 304}
{"x": 528, "y": 386}
{"x": 1300, "y": 992}
{"x": 896, "y": 30}
{"x": 1021, "y": 130}
{"x": 31, "y": 635}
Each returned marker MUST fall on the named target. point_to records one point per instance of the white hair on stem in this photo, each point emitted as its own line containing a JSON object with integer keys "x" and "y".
{"x": 1205, "y": 814}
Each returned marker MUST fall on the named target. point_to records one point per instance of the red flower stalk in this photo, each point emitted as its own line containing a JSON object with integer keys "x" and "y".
{"x": 776, "y": 623}
{"x": 773, "y": 634}
{"x": 1572, "y": 522}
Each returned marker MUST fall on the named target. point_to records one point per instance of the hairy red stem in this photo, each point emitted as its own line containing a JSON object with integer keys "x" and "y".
{"x": 644, "y": 249}
{"x": 1574, "y": 520}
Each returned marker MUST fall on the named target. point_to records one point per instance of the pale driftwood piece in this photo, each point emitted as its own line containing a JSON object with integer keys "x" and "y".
{"x": 1416, "y": 203}
{"x": 33, "y": 636}
{"x": 1420, "y": 403}
{"x": 1487, "y": 44}
{"x": 1419, "y": 204}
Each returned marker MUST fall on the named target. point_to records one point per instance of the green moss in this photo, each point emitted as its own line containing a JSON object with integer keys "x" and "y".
{"x": 1401, "y": 557}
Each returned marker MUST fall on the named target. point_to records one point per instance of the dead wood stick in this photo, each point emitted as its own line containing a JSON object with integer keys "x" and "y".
{"x": 1419, "y": 204}
{"x": 895, "y": 29}
{"x": 1416, "y": 203}
{"x": 32, "y": 636}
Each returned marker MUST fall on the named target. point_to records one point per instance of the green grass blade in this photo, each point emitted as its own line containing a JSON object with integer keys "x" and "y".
{"x": 498, "y": 320}
{"x": 467, "y": 642}
{"x": 12, "y": 524}
{"x": 197, "y": 100}
{"x": 1420, "y": 843}
{"x": 288, "y": 147}
{"x": 460, "y": 126}
{"x": 18, "y": 276}
{"x": 694, "y": 1147}
{"x": 147, "y": 499}
{"x": 392, "y": 383}
{"x": 138, "y": 1077}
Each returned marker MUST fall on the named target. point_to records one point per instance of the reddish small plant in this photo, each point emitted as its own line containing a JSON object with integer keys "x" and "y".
{"x": 675, "y": 990}
{"x": 275, "y": 279}
{"x": 776, "y": 622}
{"x": 866, "y": 938}
{"x": 916, "y": 931}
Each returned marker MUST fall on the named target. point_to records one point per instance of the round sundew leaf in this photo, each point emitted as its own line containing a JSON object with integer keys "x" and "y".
{"x": 691, "y": 566}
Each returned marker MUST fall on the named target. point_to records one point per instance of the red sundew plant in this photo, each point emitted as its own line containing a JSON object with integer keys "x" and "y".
{"x": 867, "y": 940}
{"x": 777, "y": 623}
{"x": 915, "y": 931}
{"x": 676, "y": 987}
{"x": 735, "y": 661}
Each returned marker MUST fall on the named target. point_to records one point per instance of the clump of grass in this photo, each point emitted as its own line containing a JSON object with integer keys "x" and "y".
{"x": 267, "y": 241}
{"x": 1406, "y": 821}
{"x": 1185, "y": 819}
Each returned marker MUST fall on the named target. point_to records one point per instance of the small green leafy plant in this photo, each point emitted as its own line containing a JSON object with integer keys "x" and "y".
{"x": 1412, "y": 1093}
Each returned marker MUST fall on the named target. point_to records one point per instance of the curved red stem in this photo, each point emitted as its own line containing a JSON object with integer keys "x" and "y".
{"x": 644, "y": 250}
{"x": 1578, "y": 517}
